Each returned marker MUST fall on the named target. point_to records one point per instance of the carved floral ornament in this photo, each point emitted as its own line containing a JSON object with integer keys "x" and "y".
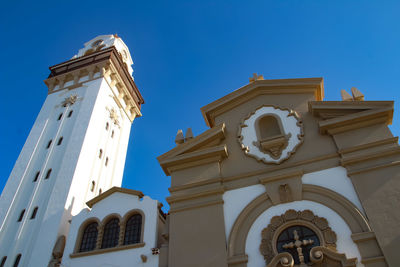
{"x": 306, "y": 218}
{"x": 271, "y": 134}
{"x": 69, "y": 101}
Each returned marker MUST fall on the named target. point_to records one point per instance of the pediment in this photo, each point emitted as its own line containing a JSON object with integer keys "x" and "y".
{"x": 201, "y": 149}
{"x": 340, "y": 116}
{"x": 262, "y": 87}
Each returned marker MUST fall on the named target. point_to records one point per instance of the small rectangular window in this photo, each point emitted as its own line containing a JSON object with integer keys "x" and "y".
{"x": 33, "y": 216}
{"x": 21, "y": 215}
{"x": 48, "y": 174}
{"x": 36, "y": 176}
{"x": 3, "y": 261}
{"x": 70, "y": 113}
{"x": 60, "y": 141}
{"x": 17, "y": 259}
{"x": 59, "y": 116}
{"x": 49, "y": 143}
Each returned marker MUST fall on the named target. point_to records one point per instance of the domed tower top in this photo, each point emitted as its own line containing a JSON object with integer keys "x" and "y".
{"x": 106, "y": 41}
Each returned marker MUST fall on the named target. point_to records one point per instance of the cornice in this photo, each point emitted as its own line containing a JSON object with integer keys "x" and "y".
{"x": 108, "y": 63}
{"x": 262, "y": 87}
{"x": 342, "y": 116}
{"x": 111, "y": 191}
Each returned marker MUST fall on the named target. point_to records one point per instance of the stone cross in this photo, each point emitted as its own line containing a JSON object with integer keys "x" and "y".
{"x": 298, "y": 243}
{"x": 256, "y": 77}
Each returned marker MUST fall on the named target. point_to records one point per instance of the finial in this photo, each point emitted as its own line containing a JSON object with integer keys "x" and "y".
{"x": 256, "y": 78}
{"x": 189, "y": 134}
{"x": 346, "y": 96}
{"x": 357, "y": 95}
{"x": 179, "y": 139}
{"x": 116, "y": 36}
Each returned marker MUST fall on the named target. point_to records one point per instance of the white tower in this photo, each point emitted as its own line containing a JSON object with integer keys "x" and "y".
{"x": 75, "y": 150}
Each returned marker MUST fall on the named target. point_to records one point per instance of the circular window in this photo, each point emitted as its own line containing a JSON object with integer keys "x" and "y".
{"x": 298, "y": 241}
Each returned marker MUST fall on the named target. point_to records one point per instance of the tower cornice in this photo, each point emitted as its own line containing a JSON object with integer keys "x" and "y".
{"x": 106, "y": 64}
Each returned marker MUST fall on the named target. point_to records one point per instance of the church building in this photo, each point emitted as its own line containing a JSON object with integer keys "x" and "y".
{"x": 281, "y": 178}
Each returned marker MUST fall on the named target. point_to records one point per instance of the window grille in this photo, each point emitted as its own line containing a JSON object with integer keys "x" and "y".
{"x": 111, "y": 234}
{"x": 133, "y": 229}
{"x": 89, "y": 238}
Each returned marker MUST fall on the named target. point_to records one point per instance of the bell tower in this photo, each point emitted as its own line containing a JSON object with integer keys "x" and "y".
{"x": 75, "y": 151}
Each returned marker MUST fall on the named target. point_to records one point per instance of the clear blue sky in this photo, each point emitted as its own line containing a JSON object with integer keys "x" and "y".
{"x": 190, "y": 53}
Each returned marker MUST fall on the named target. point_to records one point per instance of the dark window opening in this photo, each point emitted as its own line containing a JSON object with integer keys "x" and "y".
{"x": 112, "y": 134}
{"x": 100, "y": 153}
{"x": 49, "y": 143}
{"x": 70, "y": 113}
{"x": 100, "y": 191}
{"x": 33, "y": 216}
{"x": 48, "y": 174}
{"x": 17, "y": 259}
{"x": 111, "y": 234}
{"x": 36, "y": 176}
{"x": 3, "y": 261}
{"x": 89, "y": 238}
{"x": 106, "y": 163}
{"x": 21, "y": 215}
{"x": 92, "y": 186}
{"x": 133, "y": 229}
{"x": 107, "y": 126}
{"x": 60, "y": 141}
{"x": 59, "y": 116}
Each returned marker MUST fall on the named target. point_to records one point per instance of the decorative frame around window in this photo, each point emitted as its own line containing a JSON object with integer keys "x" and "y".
{"x": 306, "y": 218}
{"x": 100, "y": 234}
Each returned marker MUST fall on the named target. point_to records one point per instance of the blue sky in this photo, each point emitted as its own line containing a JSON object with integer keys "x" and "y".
{"x": 189, "y": 53}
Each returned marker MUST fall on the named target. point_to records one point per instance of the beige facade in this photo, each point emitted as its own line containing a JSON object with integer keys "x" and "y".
{"x": 252, "y": 142}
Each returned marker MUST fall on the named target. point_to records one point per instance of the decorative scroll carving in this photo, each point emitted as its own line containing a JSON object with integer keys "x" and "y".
{"x": 292, "y": 217}
{"x": 282, "y": 260}
{"x": 69, "y": 101}
{"x": 271, "y": 146}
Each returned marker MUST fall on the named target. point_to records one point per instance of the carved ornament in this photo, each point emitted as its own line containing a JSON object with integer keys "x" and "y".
{"x": 278, "y": 146}
{"x": 292, "y": 217}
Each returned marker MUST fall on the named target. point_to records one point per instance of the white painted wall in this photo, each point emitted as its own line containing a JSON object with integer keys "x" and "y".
{"x": 119, "y": 203}
{"x": 335, "y": 179}
{"x": 344, "y": 242}
{"x": 74, "y": 165}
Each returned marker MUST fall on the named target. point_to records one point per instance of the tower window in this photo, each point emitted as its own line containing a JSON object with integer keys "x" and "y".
{"x": 59, "y": 116}
{"x": 49, "y": 143}
{"x": 3, "y": 261}
{"x": 33, "y": 216}
{"x": 111, "y": 234}
{"x": 107, "y": 126}
{"x": 106, "y": 163}
{"x": 70, "y": 113}
{"x": 60, "y": 141}
{"x": 21, "y": 215}
{"x": 17, "y": 259}
{"x": 112, "y": 134}
{"x": 133, "y": 229}
{"x": 89, "y": 238}
{"x": 92, "y": 186}
{"x": 100, "y": 153}
{"x": 269, "y": 127}
{"x": 36, "y": 176}
{"x": 48, "y": 174}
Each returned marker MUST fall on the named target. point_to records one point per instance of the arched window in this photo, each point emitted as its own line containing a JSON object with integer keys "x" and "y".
{"x": 33, "y": 216}
{"x": 107, "y": 126}
{"x": 70, "y": 113}
{"x": 48, "y": 174}
{"x": 133, "y": 229}
{"x": 89, "y": 238}
{"x": 60, "y": 141}
{"x": 106, "y": 162}
{"x": 3, "y": 261}
{"x": 112, "y": 134}
{"x": 36, "y": 176}
{"x": 59, "y": 116}
{"x": 17, "y": 259}
{"x": 100, "y": 153}
{"x": 269, "y": 127}
{"x": 110, "y": 234}
{"x": 49, "y": 143}
{"x": 21, "y": 215}
{"x": 92, "y": 186}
